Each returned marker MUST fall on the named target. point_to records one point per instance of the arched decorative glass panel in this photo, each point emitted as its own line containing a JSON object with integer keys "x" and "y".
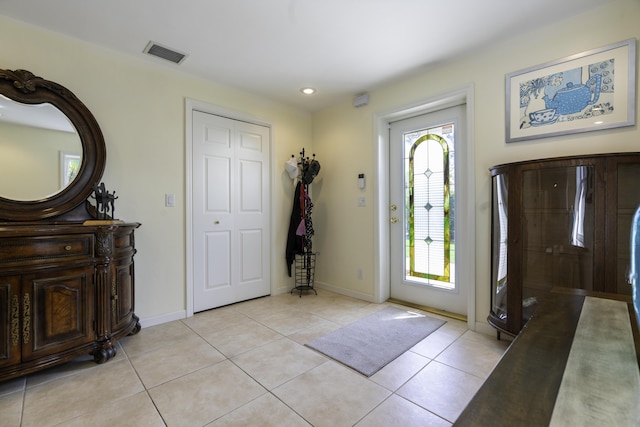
{"x": 430, "y": 248}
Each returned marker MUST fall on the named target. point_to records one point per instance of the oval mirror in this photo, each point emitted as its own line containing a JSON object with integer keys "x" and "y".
{"x": 41, "y": 150}
{"x": 53, "y": 149}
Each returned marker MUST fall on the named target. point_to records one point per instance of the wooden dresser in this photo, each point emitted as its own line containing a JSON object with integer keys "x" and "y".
{"x": 65, "y": 290}
{"x": 66, "y": 266}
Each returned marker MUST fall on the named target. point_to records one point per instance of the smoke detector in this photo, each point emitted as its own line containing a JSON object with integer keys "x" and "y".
{"x": 164, "y": 52}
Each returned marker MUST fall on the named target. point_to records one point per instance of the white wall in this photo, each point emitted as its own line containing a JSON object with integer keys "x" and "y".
{"x": 344, "y": 137}
{"x": 140, "y": 106}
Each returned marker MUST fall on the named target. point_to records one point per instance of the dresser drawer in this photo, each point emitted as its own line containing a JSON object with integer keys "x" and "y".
{"x": 42, "y": 248}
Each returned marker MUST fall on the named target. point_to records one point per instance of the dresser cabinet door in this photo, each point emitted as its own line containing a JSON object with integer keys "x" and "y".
{"x": 122, "y": 296}
{"x": 58, "y": 312}
{"x": 122, "y": 282}
{"x": 10, "y": 331}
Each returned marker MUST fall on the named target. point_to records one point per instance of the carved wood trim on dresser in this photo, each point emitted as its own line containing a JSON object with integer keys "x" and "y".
{"x": 66, "y": 289}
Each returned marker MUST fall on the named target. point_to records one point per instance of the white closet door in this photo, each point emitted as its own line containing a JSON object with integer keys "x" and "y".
{"x": 231, "y": 238}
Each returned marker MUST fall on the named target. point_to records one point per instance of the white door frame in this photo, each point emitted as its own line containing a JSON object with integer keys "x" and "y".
{"x": 190, "y": 106}
{"x": 465, "y": 228}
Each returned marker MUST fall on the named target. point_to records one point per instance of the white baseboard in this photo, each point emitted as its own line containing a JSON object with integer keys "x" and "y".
{"x": 164, "y": 318}
{"x": 485, "y": 328}
{"x": 281, "y": 290}
{"x": 182, "y": 314}
{"x": 345, "y": 292}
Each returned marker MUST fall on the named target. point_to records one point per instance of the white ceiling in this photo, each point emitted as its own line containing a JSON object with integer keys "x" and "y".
{"x": 275, "y": 47}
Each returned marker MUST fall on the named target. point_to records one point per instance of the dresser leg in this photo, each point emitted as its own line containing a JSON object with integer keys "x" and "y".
{"x": 137, "y": 327}
{"x": 105, "y": 353}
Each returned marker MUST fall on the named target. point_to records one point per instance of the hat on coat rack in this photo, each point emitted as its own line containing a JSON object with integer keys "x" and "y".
{"x": 311, "y": 171}
{"x": 292, "y": 168}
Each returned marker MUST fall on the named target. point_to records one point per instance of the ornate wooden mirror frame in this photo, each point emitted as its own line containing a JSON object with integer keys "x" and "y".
{"x": 24, "y": 87}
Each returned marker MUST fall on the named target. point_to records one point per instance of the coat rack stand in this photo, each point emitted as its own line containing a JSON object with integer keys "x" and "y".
{"x": 299, "y": 245}
{"x": 305, "y": 267}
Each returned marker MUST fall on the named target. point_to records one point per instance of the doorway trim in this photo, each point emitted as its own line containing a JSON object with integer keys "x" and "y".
{"x": 192, "y": 105}
{"x": 381, "y": 122}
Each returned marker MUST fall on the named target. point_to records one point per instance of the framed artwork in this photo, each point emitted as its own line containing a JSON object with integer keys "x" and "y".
{"x": 588, "y": 91}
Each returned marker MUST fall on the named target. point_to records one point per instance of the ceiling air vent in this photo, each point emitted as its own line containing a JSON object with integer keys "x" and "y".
{"x": 164, "y": 52}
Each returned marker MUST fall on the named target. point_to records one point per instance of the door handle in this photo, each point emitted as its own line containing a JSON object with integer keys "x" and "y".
{"x": 216, "y": 222}
{"x": 394, "y": 220}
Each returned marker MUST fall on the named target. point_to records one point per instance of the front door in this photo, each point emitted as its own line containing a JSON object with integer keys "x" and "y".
{"x": 422, "y": 207}
{"x": 230, "y": 208}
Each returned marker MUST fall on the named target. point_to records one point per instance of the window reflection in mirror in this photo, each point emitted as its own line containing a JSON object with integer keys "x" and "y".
{"x": 40, "y": 150}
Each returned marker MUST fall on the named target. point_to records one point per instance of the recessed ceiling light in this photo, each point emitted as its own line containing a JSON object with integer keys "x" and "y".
{"x": 308, "y": 90}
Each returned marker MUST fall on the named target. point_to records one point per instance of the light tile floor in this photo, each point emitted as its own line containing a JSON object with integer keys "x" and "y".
{"x": 246, "y": 365}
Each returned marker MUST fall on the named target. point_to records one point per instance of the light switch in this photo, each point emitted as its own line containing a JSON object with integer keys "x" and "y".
{"x": 169, "y": 200}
